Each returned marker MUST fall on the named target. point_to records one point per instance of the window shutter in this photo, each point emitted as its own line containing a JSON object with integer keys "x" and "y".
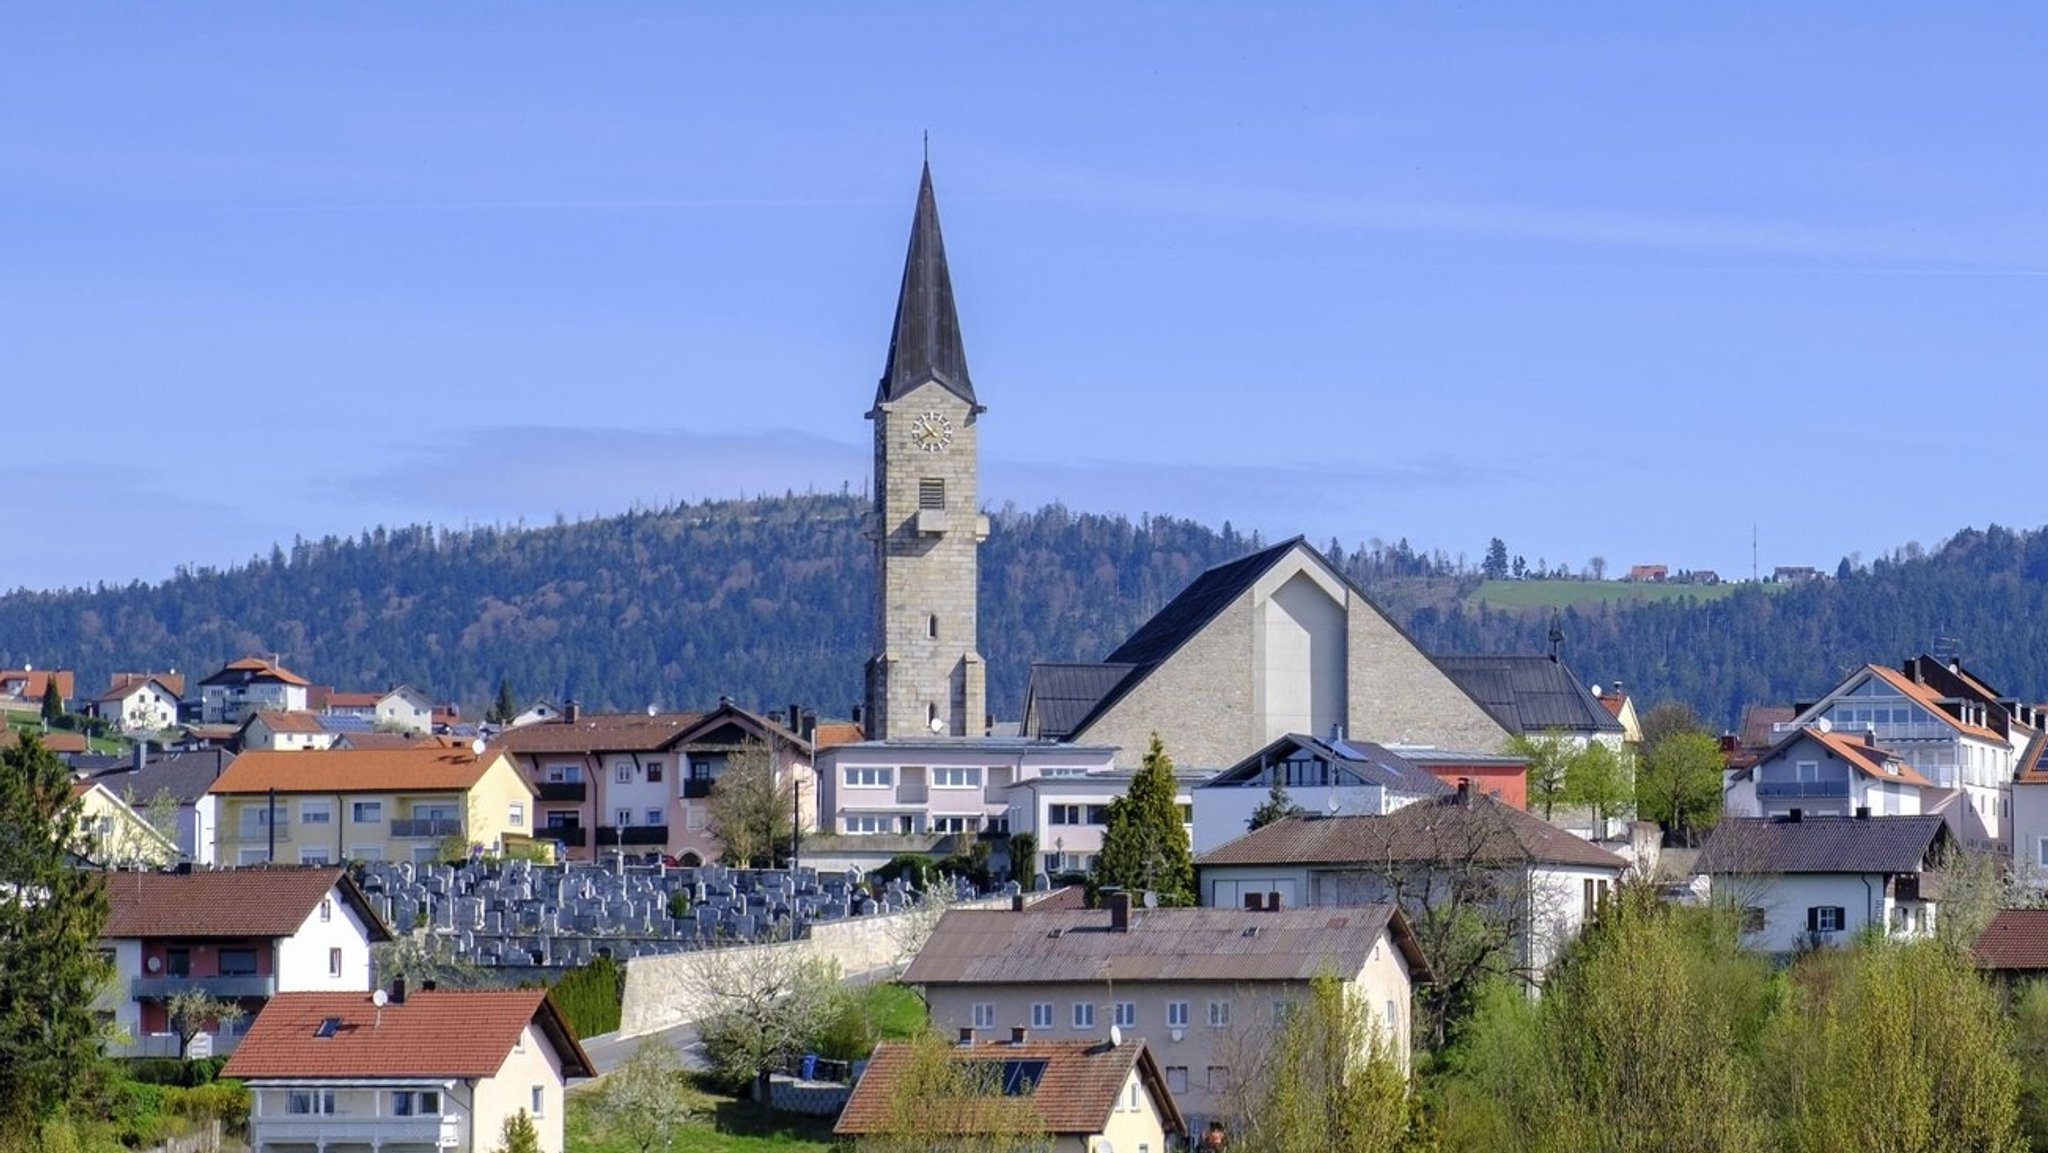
{"x": 1813, "y": 918}
{"x": 1841, "y": 917}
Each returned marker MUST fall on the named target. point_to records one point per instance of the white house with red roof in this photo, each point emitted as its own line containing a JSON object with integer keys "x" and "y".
{"x": 242, "y": 935}
{"x": 433, "y": 1070}
{"x": 247, "y": 685}
{"x": 1821, "y": 772}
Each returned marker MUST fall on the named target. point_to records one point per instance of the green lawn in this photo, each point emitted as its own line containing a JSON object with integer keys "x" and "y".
{"x": 896, "y": 1011}
{"x": 1561, "y": 594}
{"x": 724, "y": 1126}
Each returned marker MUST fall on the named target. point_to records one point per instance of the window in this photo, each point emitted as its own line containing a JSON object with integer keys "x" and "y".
{"x": 956, "y": 778}
{"x": 1753, "y": 919}
{"x": 238, "y": 962}
{"x": 1084, "y": 1015}
{"x": 1219, "y": 1014}
{"x": 1177, "y": 1078}
{"x": 1041, "y": 1014}
{"x": 1824, "y": 919}
{"x": 931, "y": 715}
{"x": 315, "y": 812}
{"x": 1595, "y": 893}
{"x": 870, "y": 778}
{"x": 1219, "y": 1078}
{"x": 654, "y": 771}
{"x": 564, "y": 819}
{"x": 931, "y": 492}
{"x": 515, "y": 814}
{"x": 1126, "y": 1014}
{"x": 1281, "y": 1011}
{"x": 540, "y": 1100}
{"x": 178, "y": 962}
{"x": 310, "y": 1101}
{"x": 955, "y": 824}
{"x": 654, "y": 816}
{"x": 327, "y": 908}
{"x": 1063, "y": 814}
{"x": 984, "y": 1015}
{"x": 625, "y": 817}
{"x": 931, "y": 626}
{"x": 334, "y": 962}
{"x": 416, "y": 1103}
{"x": 564, "y": 774}
{"x": 1176, "y": 1014}
{"x": 867, "y": 824}
{"x": 366, "y": 812}
{"x": 1098, "y": 814}
{"x": 623, "y": 774}
{"x": 1394, "y": 1018}
{"x": 2041, "y": 852}
{"x": 317, "y": 856}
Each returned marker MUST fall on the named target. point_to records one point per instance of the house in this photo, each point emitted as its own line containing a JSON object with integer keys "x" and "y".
{"x": 2014, "y": 946}
{"x": 642, "y": 782}
{"x": 111, "y": 833}
{"x": 1502, "y": 776}
{"x": 534, "y": 713}
{"x": 1622, "y": 708}
{"x": 435, "y": 1069}
{"x": 331, "y": 702}
{"x": 334, "y": 805}
{"x": 241, "y": 935}
{"x": 1796, "y": 573}
{"x": 139, "y": 702}
{"x": 405, "y": 710}
{"x": 249, "y": 685}
{"x": 1807, "y": 881}
{"x": 64, "y": 744}
{"x": 1083, "y": 1095}
{"x": 1536, "y": 696}
{"x": 1950, "y": 726}
{"x": 1463, "y": 848}
{"x": 1066, "y": 813}
{"x": 1640, "y": 573}
{"x": 25, "y": 687}
{"x": 940, "y": 794}
{"x": 1821, "y": 772}
{"x": 283, "y": 732}
{"x": 174, "y": 783}
{"x": 1273, "y": 643}
{"x": 1319, "y": 776}
{"x": 1200, "y": 987}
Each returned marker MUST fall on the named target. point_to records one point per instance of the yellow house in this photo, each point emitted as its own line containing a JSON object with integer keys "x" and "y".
{"x": 422, "y": 803}
{"x": 111, "y": 832}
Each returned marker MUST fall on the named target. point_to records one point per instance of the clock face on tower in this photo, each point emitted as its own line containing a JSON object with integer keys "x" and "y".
{"x": 932, "y": 432}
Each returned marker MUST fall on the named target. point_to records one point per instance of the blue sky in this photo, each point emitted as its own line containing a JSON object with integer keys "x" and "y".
{"x": 1616, "y": 280}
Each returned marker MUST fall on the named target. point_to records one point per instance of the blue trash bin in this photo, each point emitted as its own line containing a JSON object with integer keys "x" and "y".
{"x": 808, "y": 1069}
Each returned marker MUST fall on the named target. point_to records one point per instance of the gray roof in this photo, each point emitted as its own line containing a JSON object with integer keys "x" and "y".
{"x": 1060, "y": 696}
{"x": 1531, "y": 694}
{"x": 184, "y": 776}
{"x": 1767, "y": 845}
{"x": 924, "y": 343}
{"x": 1365, "y": 762}
{"x": 977, "y": 946}
{"x": 1443, "y": 829}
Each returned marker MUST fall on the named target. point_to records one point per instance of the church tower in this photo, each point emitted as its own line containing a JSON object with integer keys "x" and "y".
{"x": 926, "y": 677}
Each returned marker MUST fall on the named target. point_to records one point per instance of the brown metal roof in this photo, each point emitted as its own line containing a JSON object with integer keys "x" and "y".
{"x": 1480, "y": 829}
{"x": 985, "y": 947}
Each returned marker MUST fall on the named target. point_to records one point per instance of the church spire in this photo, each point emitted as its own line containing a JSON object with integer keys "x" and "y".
{"x": 925, "y": 342}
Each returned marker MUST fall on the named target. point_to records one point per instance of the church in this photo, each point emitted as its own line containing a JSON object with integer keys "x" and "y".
{"x": 1274, "y": 643}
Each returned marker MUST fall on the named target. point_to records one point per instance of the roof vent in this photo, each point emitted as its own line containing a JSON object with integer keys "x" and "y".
{"x": 1054, "y": 932}
{"x": 1250, "y": 931}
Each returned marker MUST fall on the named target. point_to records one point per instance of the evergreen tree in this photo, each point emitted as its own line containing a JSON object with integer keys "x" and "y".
{"x": 507, "y": 706}
{"x": 1495, "y": 566}
{"x": 50, "y": 921}
{"x": 53, "y": 701}
{"x": 1145, "y": 845}
{"x": 519, "y": 1134}
{"x": 1277, "y": 806}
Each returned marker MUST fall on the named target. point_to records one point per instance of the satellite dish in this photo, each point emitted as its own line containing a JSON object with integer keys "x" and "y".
{"x": 380, "y": 998}
{"x": 1596, "y": 690}
{"x": 1116, "y": 1036}
{"x": 156, "y": 964}
{"x": 938, "y": 726}
{"x": 477, "y": 746}
{"x": 651, "y": 710}
{"x": 1331, "y": 804}
{"x": 1151, "y": 899}
{"x": 1824, "y": 725}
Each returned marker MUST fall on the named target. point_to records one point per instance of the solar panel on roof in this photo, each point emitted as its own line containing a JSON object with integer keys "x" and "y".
{"x": 1021, "y": 1076}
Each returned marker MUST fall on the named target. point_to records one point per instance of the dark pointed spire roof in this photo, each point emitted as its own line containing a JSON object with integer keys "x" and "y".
{"x": 925, "y": 342}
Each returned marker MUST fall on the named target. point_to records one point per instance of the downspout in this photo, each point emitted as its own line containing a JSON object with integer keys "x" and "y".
{"x": 340, "y": 832}
{"x": 1866, "y": 905}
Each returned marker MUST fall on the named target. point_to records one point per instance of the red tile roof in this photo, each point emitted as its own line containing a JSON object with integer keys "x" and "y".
{"x": 56, "y": 742}
{"x": 254, "y": 902}
{"x": 266, "y": 670}
{"x": 2015, "y": 939}
{"x": 1076, "y": 1094}
{"x": 831, "y": 733}
{"x": 121, "y": 683}
{"x": 598, "y": 732}
{"x": 420, "y": 768}
{"x": 439, "y": 1033}
{"x": 1926, "y": 696}
{"x": 1867, "y": 759}
{"x": 287, "y": 722}
{"x": 35, "y": 682}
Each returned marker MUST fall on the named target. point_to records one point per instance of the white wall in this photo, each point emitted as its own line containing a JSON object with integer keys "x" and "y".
{"x": 302, "y": 957}
{"x": 2029, "y": 828}
{"x": 1298, "y": 652}
{"x": 1784, "y": 901}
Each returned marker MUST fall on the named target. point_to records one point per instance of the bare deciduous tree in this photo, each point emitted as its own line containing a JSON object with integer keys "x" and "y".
{"x": 760, "y": 1007}
{"x": 642, "y": 1102}
{"x": 751, "y": 812}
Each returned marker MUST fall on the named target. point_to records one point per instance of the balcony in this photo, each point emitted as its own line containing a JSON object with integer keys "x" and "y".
{"x": 907, "y": 794}
{"x": 223, "y": 988}
{"x": 1838, "y": 788}
{"x": 333, "y": 1128}
{"x": 570, "y": 835}
{"x": 696, "y": 788}
{"x": 250, "y": 831}
{"x": 632, "y": 835}
{"x": 427, "y": 827}
{"x": 562, "y": 790}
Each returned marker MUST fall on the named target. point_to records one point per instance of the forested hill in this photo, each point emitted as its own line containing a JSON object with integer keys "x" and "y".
{"x": 768, "y": 601}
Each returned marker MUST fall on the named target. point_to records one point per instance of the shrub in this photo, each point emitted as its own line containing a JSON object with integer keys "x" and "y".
{"x": 589, "y": 997}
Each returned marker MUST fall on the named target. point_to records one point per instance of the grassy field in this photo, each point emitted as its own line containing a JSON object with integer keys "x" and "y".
{"x": 1562, "y": 594}
{"x": 723, "y": 1126}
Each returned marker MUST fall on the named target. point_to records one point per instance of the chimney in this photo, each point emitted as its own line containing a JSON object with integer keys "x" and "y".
{"x": 809, "y": 727}
{"x": 1019, "y": 1035}
{"x": 966, "y": 1035}
{"x": 1120, "y": 912}
{"x": 1273, "y": 901}
{"x": 1016, "y": 902}
{"x": 428, "y": 986}
{"x": 1795, "y": 816}
{"x": 1863, "y": 812}
{"x": 398, "y": 990}
{"x": 140, "y": 757}
{"x": 860, "y": 717}
{"x": 571, "y": 711}
{"x": 1253, "y": 902}
{"x": 1465, "y": 791}
{"x": 1336, "y": 731}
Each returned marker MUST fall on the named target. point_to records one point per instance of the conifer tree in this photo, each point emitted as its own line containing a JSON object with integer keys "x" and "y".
{"x": 1277, "y": 805}
{"x": 1145, "y": 846}
{"x": 53, "y": 701}
{"x": 507, "y": 706}
{"x": 50, "y": 921}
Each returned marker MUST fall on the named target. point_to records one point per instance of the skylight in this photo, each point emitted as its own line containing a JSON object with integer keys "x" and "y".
{"x": 327, "y": 1027}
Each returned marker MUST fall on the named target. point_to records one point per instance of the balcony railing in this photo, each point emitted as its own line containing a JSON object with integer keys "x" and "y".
{"x": 571, "y": 835}
{"x": 252, "y": 831}
{"x": 330, "y": 1128}
{"x": 633, "y": 835}
{"x": 696, "y": 788}
{"x": 562, "y": 790}
{"x": 427, "y": 827}
{"x": 912, "y": 794}
{"x": 224, "y": 988}
{"x": 1803, "y": 788}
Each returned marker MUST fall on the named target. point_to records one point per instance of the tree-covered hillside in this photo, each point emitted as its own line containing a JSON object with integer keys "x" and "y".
{"x": 768, "y": 601}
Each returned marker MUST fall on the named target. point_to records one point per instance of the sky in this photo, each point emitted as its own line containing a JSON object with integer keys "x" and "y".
{"x": 1630, "y": 281}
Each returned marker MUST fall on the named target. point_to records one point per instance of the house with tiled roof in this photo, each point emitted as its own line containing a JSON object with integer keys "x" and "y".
{"x": 248, "y": 685}
{"x": 139, "y": 702}
{"x": 2014, "y": 944}
{"x": 1200, "y": 987}
{"x": 1822, "y": 772}
{"x": 332, "y": 805}
{"x": 1622, "y": 708}
{"x": 430, "y": 1069}
{"x": 241, "y": 935}
{"x": 1950, "y": 726}
{"x": 1276, "y": 642}
{"x": 268, "y": 730}
{"x": 112, "y": 834}
{"x": 24, "y": 688}
{"x": 1319, "y": 775}
{"x": 172, "y": 782}
{"x": 1804, "y": 882}
{"x": 1543, "y": 882}
{"x": 1078, "y": 1096}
